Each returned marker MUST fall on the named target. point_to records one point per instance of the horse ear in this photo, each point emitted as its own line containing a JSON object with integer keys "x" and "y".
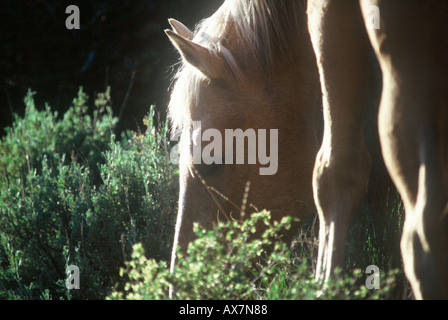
{"x": 181, "y": 29}
{"x": 211, "y": 65}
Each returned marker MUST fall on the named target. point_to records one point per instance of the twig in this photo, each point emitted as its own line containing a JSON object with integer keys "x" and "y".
{"x": 11, "y": 110}
{"x": 126, "y": 97}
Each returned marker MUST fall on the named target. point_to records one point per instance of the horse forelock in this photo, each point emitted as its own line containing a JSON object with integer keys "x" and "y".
{"x": 265, "y": 26}
{"x": 261, "y": 27}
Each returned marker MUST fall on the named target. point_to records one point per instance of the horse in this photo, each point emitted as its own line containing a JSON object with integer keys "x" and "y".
{"x": 269, "y": 65}
{"x": 411, "y": 44}
{"x": 248, "y": 67}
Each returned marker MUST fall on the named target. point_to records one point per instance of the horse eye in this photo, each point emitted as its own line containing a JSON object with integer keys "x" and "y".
{"x": 208, "y": 169}
{"x": 219, "y": 83}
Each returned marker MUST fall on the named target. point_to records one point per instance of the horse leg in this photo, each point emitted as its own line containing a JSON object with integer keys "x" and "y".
{"x": 343, "y": 164}
{"x": 408, "y": 126}
{"x": 413, "y": 124}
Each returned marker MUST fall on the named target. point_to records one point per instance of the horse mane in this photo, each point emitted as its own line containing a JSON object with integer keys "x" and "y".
{"x": 262, "y": 27}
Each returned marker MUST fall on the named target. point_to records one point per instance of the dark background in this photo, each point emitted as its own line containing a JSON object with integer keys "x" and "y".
{"x": 120, "y": 44}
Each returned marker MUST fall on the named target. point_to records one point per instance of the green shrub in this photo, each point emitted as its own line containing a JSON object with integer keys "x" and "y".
{"x": 73, "y": 194}
{"x": 70, "y": 194}
{"x": 228, "y": 263}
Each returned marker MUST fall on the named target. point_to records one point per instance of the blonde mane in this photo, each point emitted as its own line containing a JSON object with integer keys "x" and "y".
{"x": 262, "y": 28}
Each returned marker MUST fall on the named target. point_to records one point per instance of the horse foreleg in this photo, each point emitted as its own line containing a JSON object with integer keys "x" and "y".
{"x": 413, "y": 127}
{"x": 343, "y": 164}
{"x": 413, "y": 152}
